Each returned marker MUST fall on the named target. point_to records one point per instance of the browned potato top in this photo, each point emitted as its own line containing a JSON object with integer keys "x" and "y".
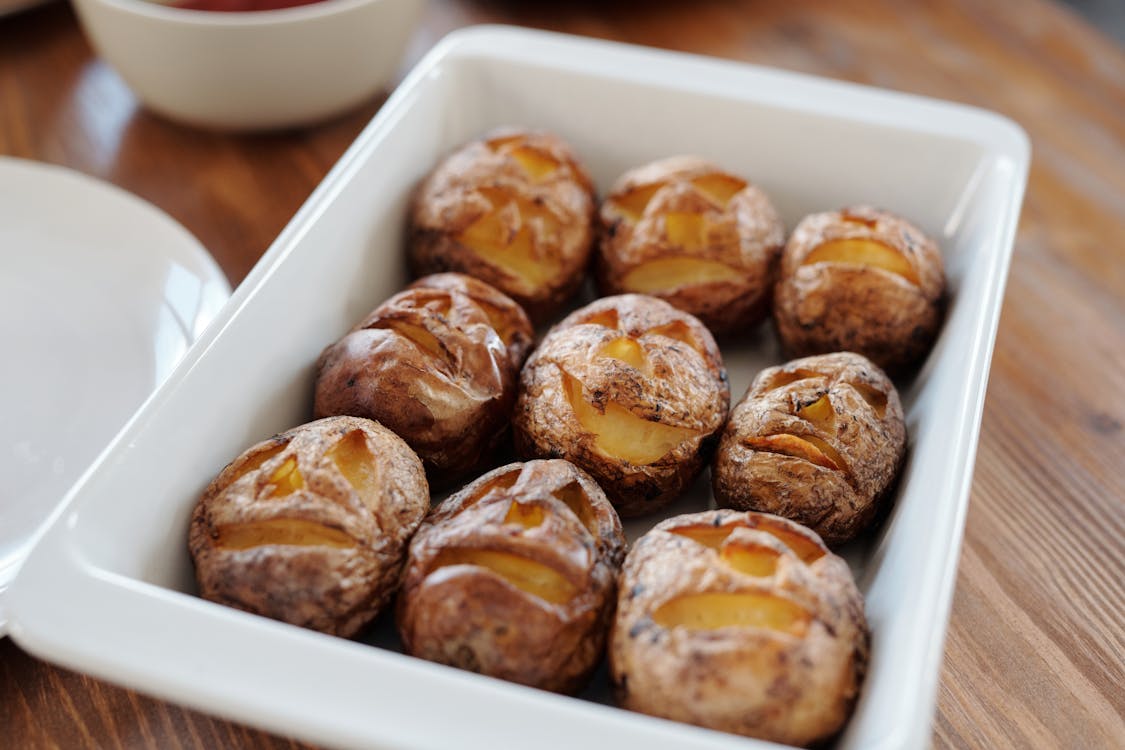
{"x": 861, "y": 280}
{"x": 515, "y": 209}
{"x": 429, "y": 364}
{"x": 311, "y": 526}
{"x": 628, "y": 388}
{"x": 507, "y": 318}
{"x": 514, "y": 575}
{"x": 742, "y": 622}
{"x": 686, "y": 231}
{"x": 818, "y": 440}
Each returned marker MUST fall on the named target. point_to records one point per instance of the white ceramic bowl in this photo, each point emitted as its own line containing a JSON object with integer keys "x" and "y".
{"x": 252, "y": 70}
{"x": 109, "y": 589}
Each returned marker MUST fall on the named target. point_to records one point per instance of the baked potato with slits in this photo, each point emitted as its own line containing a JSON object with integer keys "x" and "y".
{"x": 515, "y": 209}
{"x": 515, "y": 576}
{"x": 629, "y": 389}
{"x": 684, "y": 230}
{"x": 860, "y": 280}
{"x": 311, "y": 526}
{"x": 741, "y": 622}
{"x": 818, "y": 440}
{"x": 438, "y": 364}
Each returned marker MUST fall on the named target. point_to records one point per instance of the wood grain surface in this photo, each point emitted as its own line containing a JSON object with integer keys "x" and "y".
{"x": 1035, "y": 655}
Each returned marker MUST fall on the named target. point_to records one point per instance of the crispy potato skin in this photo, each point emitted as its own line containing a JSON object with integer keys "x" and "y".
{"x": 483, "y": 177}
{"x": 836, "y": 503}
{"x": 830, "y": 306}
{"x": 745, "y": 233}
{"x": 470, "y": 617}
{"x": 334, "y": 588}
{"x": 684, "y": 386}
{"x": 449, "y": 391}
{"x": 785, "y": 687}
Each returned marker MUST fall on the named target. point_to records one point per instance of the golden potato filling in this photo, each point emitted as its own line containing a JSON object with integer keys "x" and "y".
{"x": 634, "y": 202}
{"x": 874, "y": 397}
{"x": 669, "y": 274}
{"x": 751, "y": 559}
{"x": 719, "y": 609}
{"x": 687, "y": 230}
{"x": 504, "y": 237}
{"x": 574, "y": 497}
{"x": 719, "y": 188}
{"x": 292, "y": 532}
{"x": 417, "y": 335}
{"x": 286, "y": 479}
{"x": 863, "y": 253}
{"x": 625, "y": 350}
{"x": 527, "y": 515}
{"x": 619, "y": 433}
{"x": 808, "y": 447}
{"x": 355, "y": 461}
{"x": 536, "y": 164}
{"x": 714, "y": 537}
{"x": 820, "y": 413}
{"x": 527, "y": 575}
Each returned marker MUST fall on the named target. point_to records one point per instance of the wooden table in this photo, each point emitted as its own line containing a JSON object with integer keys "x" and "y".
{"x": 1036, "y": 650}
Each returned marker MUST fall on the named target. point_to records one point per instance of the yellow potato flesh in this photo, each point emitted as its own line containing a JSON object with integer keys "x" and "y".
{"x": 575, "y": 499}
{"x": 491, "y": 238}
{"x": 714, "y": 536}
{"x": 820, "y": 413}
{"x": 625, "y": 350}
{"x": 286, "y": 479}
{"x": 620, "y": 434}
{"x": 354, "y": 460}
{"x": 864, "y": 253}
{"x": 257, "y": 459}
{"x": 526, "y": 575}
{"x": 292, "y": 532}
{"x": 685, "y": 230}
{"x": 633, "y": 203}
{"x": 809, "y": 448}
{"x": 535, "y": 164}
{"x": 719, "y": 188}
{"x": 784, "y": 378}
{"x": 752, "y": 560}
{"x": 679, "y": 331}
{"x": 417, "y": 335}
{"x": 526, "y": 515}
{"x": 714, "y": 610}
{"x": 875, "y": 398}
{"x": 670, "y": 274}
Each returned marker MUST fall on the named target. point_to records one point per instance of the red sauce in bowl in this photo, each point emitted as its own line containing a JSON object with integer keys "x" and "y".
{"x": 241, "y": 6}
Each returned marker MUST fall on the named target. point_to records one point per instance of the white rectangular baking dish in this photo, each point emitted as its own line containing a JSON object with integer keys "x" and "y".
{"x": 108, "y": 590}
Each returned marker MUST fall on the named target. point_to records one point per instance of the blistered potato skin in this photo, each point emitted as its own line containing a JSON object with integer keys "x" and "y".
{"x": 448, "y": 392}
{"x": 457, "y": 194}
{"x": 756, "y": 681}
{"x": 685, "y": 387}
{"x": 746, "y": 234}
{"x": 824, "y": 307}
{"x": 836, "y": 503}
{"x": 333, "y": 589}
{"x": 469, "y": 617}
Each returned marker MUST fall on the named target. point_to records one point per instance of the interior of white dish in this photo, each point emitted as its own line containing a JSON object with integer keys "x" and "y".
{"x": 344, "y": 254}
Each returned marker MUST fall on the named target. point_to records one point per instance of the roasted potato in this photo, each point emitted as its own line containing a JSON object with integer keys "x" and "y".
{"x": 438, "y": 364}
{"x": 515, "y": 209}
{"x": 684, "y": 230}
{"x": 860, "y": 280}
{"x": 741, "y": 622}
{"x": 818, "y": 440}
{"x": 311, "y": 526}
{"x": 630, "y": 389}
{"x": 514, "y": 577}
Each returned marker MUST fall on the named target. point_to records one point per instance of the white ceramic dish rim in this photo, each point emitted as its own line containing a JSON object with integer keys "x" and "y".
{"x": 178, "y": 243}
{"x": 347, "y": 720}
{"x": 234, "y": 19}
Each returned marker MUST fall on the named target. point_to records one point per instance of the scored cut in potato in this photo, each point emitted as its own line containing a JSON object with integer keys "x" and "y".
{"x": 685, "y": 231}
{"x": 741, "y": 622}
{"x": 631, "y": 390}
{"x": 514, "y": 209}
{"x": 310, "y": 527}
{"x": 514, "y": 577}
{"x": 860, "y": 280}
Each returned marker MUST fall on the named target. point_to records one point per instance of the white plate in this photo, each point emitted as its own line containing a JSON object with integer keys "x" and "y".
{"x": 100, "y": 296}
{"x": 109, "y": 588}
